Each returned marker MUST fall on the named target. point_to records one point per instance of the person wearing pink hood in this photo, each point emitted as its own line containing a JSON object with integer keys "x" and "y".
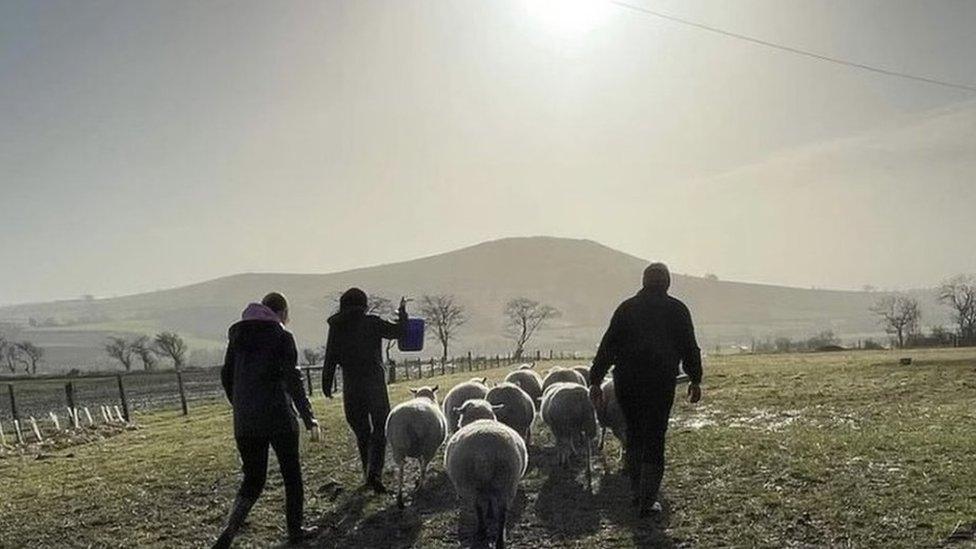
{"x": 264, "y": 386}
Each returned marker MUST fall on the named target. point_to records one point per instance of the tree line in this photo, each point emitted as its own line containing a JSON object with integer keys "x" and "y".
{"x": 148, "y": 350}
{"x": 900, "y": 314}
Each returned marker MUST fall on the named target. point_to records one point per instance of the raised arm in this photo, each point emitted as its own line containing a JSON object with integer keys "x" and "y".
{"x": 395, "y": 330}
{"x": 293, "y": 379}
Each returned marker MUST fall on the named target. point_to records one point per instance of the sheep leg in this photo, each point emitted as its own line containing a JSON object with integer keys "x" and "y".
{"x": 399, "y": 498}
{"x": 603, "y": 437}
{"x": 423, "y": 474}
{"x": 589, "y": 463}
{"x": 481, "y": 531}
{"x": 500, "y": 537}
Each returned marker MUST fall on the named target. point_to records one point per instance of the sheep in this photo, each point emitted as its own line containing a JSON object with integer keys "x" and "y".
{"x": 485, "y": 459}
{"x": 415, "y": 429}
{"x": 568, "y": 411}
{"x": 583, "y": 371}
{"x": 458, "y": 395}
{"x": 561, "y": 375}
{"x": 530, "y": 382}
{"x": 610, "y": 415}
{"x": 518, "y": 409}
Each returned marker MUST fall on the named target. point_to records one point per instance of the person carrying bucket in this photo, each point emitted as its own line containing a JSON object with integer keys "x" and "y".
{"x": 354, "y": 342}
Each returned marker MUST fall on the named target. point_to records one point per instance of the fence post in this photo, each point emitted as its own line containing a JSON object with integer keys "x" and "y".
{"x": 179, "y": 386}
{"x": 431, "y": 367}
{"x": 550, "y": 354}
{"x": 69, "y": 394}
{"x": 308, "y": 380}
{"x": 125, "y": 403}
{"x": 443, "y": 365}
{"x": 13, "y": 411}
{"x": 469, "y": 361}
{"x": 13, "y": 402}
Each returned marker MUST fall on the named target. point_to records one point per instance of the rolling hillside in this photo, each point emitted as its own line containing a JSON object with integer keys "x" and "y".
{"x": 584, "y": 279}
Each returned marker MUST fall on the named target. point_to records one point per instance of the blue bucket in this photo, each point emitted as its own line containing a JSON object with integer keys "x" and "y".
{"x": 413, "y": 339}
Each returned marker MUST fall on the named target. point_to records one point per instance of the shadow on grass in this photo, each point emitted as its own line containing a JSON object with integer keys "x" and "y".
{"x": 614, "y": 501}
{"x": 348, "y": 525}
{"x": 564, "y": 506}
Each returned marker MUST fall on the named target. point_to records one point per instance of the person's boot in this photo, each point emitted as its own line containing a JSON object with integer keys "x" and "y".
{"x": 242, "y": 506}
{"x": 648, "y": 504}
{"x": 376, "y": 485}
{"x": 364, "y": 459}
{"x": 302, "y": 534}
{"x": 295, "y": 515}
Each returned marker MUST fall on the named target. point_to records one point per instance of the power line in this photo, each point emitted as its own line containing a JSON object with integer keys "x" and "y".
{"x": 791, "y": 49}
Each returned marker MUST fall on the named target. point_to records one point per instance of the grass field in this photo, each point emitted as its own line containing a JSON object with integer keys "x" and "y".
{"x": 845, "y": 449}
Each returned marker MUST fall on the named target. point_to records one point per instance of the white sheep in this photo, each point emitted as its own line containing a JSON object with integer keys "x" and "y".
{"x": 568, "y": 411}
{"x": 485, "y": 459}
{"x": 610, "y": 415}
{"x": 529, "y": 380}
{"x": 583, "y": 371}
{"x": 458, "y": 395}
{"x": 518, "y": 409}
{"x": 559, "y": 374}
{"x": 415, "y": 429}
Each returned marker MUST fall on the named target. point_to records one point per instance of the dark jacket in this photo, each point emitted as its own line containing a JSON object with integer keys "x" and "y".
{"x": 649, "y": 335}
{"x": 355, "y": 342}
{"x": 262, "y": 379}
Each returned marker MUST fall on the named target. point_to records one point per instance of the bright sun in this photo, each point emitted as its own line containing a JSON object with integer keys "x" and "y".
{"x": 569, "y": 16}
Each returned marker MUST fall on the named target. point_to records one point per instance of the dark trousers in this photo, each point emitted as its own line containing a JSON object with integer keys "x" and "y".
{"x": 367, "y": 405}
{"x": 254, "y": 456}
{"x": 646, "y": 408}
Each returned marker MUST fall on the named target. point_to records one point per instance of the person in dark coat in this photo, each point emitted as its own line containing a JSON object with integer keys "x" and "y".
{"x": 354, "y": 343}
{"x": 649, "y": 335}
{"x": 264, "y": 386}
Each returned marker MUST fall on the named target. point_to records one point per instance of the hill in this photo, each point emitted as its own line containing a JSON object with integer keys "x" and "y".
{"x": 584, "y": 279}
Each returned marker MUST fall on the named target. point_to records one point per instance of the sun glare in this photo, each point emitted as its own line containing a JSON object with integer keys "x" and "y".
{"x": 569, "y": 16}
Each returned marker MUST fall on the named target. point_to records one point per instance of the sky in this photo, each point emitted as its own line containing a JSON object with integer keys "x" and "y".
{"x": 147, "y": 145}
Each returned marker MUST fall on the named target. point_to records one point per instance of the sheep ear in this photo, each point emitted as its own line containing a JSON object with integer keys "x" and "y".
{"x": 497, "y": 406}
{"x": 458, "y": 409}
{"x": 484, "y": 380}
{"x": 434, "y": 390}
{"x": 413, "y": 391}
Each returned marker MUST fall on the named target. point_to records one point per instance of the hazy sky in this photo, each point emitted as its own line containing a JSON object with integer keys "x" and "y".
{"x": 150, "y": 144}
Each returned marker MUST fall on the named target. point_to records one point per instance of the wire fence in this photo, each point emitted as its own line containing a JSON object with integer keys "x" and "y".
{"x": 80, "y": 400}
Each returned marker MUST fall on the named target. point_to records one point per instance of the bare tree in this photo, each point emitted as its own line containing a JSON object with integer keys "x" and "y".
{"x": 119, "y": 349}
{"x": 30, "y": 355}
{"x": 9, "y": 353}
{"x": 523, "y": 317}
{"x": 313, "y": 356}
{"x": 172, "y": 346}
{"x": 959, "y": 292}
{"x": 143, "y": 348}
{"x": 445, "y": 315}
{"x": 899, "y": 315}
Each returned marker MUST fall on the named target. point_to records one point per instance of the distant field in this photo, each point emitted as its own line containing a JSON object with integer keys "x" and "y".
{"x": 844, "y": 449}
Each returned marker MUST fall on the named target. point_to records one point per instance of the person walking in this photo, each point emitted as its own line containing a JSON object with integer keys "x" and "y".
{"x": 649, "y": 335}
{"x": 264, "y": 386}
{"x": 354, "y": 343}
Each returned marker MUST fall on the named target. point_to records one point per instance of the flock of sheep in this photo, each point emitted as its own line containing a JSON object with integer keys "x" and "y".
{"x": 489, "y": 427}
